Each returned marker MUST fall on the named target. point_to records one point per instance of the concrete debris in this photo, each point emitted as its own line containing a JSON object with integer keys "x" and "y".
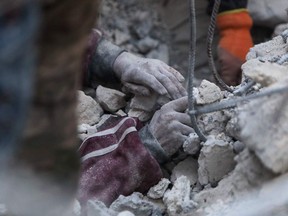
{"x": 88, "y": 110}
{"x": 213, "y": 123}
{"x": 126, "y": 213}
{"x": 177, "y": 200}
{"x": 264, "y": 126}
{"x": 260, "y": 72}
{"x": 188, "y": 168}
{"x": 269, "y": 50}
{"x": 95, "y": 207}
{"x": 136, "y": 204}
{"x": 208, "y": 93}
{"x": 157, "y": 191}
{"x": 111, "y": 100}
{"x": 248, "y": 174}
{"x": 143, "y": 107}
{"x": 140, "y": 114}
{"x": 191, "y": 145}
{"x": 216, "y": 160}
{"x": 236, "y": 167}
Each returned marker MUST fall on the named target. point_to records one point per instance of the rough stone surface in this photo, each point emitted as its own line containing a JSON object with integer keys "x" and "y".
{"x": 249, "y": 173}
{"x": 177, "y": 200}
{"x": 111, "y": 100}
{"x": 188, "y": 168}
{"x": 88, "y": 110}
{"x": 126, "y": 213}
{"x": 213, "y": 123}
{"x": 157, "y": 191}
{"x": 208, "y": 93}
{"x": 268, "y": 50}
{"x": 191, "y": 145}
{"x": 216, "y": 160}
{"x": 264, "y": 126}
{"x": 136, "y": 204}
{"x": 95, "y": 207}
{"x": 265, "y": 73}
{"x": 140, "y": 114}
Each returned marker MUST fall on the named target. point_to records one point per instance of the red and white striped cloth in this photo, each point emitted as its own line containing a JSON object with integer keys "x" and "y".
{"x": 115, "y": 162}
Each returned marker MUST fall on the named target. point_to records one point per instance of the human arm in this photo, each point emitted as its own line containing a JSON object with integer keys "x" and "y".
{"x": 109, "y": 63}
{"x": 234, "y": 24}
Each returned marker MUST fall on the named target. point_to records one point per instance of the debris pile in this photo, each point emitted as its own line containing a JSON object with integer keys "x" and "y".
{"x": 242, "y": 167}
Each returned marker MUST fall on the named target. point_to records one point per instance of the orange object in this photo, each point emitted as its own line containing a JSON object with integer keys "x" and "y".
{"x": 235, "y": 37}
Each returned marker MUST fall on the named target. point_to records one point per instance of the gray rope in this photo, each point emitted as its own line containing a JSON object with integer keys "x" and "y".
{"x": 210, "y": 37}
{"x": 192, "y": 54}
{"x": 231, "y": 103}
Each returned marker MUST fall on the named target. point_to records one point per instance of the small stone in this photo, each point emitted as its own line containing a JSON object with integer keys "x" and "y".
{"x": 238, "y": 147}
{"x": 147, "y": 44}
{"x": 95, "y": 207}
{"x": 188, "y": 168}
{"x": 208, "y": 93}
{"x": 88, "y": 110}
{"x": 177, "y": 200}
{"x": 111, "y": 100}
{"x": 157, "y": 191}
{"x": 191, "y": 145}
{"x": 126, "y": 213}
{"x": 216, "y": 160}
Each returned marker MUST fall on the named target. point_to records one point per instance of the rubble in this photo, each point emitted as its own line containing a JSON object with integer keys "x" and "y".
{"x": 177, "y": 200}
{"x": 111, "y": 100}
{"x": 216, "y": 160}
{"x": 88, "y": 110}
{"x": 188, "y": 168}
{"x": 208, "y": 93}
{"x": 191, "y": 145}
{"x": 136, "y": 204}
{"x": 237, "y": 170}
{"x": 157, "y": 191}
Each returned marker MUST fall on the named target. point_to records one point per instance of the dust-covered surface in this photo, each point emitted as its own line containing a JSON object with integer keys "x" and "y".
{"x": 241, "y": 170}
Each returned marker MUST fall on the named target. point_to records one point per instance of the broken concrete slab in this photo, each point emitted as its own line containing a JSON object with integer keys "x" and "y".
{"x": 269, "y": 50}
{"x": 216, "y": 160}
{"x": 191, "y": 145}
{"x": 188, "y": 168}
{"x": 177, "y": 200}
{"x": 88, "y": 110}
{"x": 208, "y": 93}
{"x": 248, "y": 174}
{"x": 157, "y": 191}
{"x": 95, "y": 207}
{"x": 264, "y": 123}
{"x": 136, "y": 204}
{"x": 265, "y": 73}
{"x": 111, "y": 100}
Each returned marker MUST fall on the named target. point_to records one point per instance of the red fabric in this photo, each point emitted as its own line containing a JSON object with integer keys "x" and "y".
{"x": 128, "y": 168}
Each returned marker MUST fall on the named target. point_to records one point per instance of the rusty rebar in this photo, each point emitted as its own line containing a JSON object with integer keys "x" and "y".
{"x": 210, "y": 36}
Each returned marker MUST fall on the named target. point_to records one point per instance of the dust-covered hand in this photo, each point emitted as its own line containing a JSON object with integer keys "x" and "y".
{"x": 171, "y": 125}
{"x": 141, "y": 75}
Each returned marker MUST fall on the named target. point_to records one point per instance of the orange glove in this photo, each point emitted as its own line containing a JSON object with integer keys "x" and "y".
{"x": 235, "y": 42}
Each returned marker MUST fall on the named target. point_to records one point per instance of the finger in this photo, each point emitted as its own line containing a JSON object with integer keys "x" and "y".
{"x": 175, "y": 73}
{"x": 181, "y": 91}
{"x": 137, "y": 89}
{"x": 184, "y": 118}
{"x": 178, "y": 105}
{"x": 184, "y": 129}
{"x": 168, "y": 84}
{"x": 149, "y": 81}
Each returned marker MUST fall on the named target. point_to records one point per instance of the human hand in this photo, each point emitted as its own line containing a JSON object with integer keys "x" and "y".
{"x": 171, "y": 126}
{"x": 141, "y": 75}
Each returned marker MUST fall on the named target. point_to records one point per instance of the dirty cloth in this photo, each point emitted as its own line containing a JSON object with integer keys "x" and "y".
{"x": 115, "y": 162}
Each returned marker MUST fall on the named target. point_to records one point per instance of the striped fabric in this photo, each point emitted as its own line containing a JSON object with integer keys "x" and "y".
{"x": 115, "y": 162}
